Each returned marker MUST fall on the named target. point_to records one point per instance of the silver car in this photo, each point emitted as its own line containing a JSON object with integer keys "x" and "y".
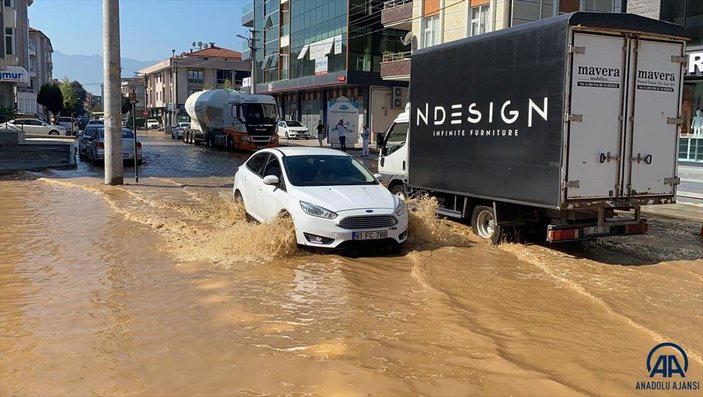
{"x": 95, "y": 146}
{"x": 178, "y": 130}
{"x": 84, "y": 136}
{"x": 69, "y": 123}
{"x": 36, "y": 127}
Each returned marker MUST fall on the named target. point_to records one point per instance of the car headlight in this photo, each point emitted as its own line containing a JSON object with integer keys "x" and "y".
{"x": 400, "y": 208}
{"x": 316, "y": 210}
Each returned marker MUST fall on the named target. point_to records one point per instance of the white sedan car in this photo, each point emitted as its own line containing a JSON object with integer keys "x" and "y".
{"x": 334, "y": 201}
{"x": 292, "y": 129}
{"x": 36, "y": 127}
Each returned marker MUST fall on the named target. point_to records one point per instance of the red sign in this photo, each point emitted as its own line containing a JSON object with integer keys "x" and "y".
{"x": 145, "y": 113}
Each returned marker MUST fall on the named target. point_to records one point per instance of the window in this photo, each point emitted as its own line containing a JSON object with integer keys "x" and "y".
{"x": 256, "y": 163}
{"x": 195, "y": 76}
{"x": 223, "y": 75}
{"x": 479, "y": 18}
{"x": 431, "y": 32}
{"x": 9, "y": 40}
{"x": 10, "y": 3}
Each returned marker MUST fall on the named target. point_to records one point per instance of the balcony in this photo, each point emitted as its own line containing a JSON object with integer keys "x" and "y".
{"x": 248, "y": 15}
{"x": 396, "y": 66}
{"x": 397, "y": 14}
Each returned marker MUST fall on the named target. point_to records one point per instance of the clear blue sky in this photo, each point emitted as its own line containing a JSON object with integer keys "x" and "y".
{"x": 149, "y": 29}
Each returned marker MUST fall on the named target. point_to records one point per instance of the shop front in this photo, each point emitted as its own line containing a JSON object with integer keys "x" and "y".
{"x": 691, "y": 132}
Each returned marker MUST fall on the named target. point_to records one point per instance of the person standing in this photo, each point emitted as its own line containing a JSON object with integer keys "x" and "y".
{"x": 342, "y": 133}
{"x": 320, "y": 132}
{"x": 365, "y": 135}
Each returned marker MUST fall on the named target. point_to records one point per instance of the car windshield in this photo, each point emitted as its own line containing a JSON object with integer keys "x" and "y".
{"x": 294, "y": 124}
{"x": 326, "y": 170}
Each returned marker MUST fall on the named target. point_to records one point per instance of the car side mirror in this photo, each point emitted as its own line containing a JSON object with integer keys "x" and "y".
{"x": 271, "y": 180}
{"x": 378, "y": 176}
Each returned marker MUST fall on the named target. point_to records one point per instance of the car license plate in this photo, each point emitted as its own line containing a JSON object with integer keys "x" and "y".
{"x": 375, "y": 235}
{"x": 593, "y": 230}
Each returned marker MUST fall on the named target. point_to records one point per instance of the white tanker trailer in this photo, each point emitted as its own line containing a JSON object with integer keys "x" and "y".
{"x": 228, "y": 118}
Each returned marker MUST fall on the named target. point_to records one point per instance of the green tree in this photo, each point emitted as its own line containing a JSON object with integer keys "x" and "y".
{"x": 126, "y": 105}
{"x": 81, "y": 94}
{"x": 69, "y": 97}
{"x": 227, "y": 84}
{"x": 51, "y": 97}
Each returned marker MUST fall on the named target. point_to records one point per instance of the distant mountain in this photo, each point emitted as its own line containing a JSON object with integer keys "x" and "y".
{"x": 88, "y": 69}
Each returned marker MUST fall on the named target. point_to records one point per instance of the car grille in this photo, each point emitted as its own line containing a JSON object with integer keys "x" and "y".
{"x": 368, "y": 222}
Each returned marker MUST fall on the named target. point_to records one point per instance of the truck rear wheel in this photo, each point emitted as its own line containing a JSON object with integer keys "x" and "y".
{"x": 483, "y": 223}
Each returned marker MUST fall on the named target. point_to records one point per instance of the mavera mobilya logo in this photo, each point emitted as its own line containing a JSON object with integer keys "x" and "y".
{"x": 667, "y": 364}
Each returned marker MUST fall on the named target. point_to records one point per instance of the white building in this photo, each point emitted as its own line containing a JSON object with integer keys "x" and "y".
{"x": 41, "y": 68}
{"x": 14, "y": 51}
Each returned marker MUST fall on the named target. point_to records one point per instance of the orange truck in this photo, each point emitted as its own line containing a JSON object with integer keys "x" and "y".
{"x": 230, "y": 119}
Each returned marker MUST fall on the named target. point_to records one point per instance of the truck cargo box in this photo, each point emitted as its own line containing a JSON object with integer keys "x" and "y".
{"x": 575, "y": 111}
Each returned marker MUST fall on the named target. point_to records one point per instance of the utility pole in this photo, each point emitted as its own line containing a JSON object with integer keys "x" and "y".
{"x": 251, "y": 43}
{"x": 114, "y": 169}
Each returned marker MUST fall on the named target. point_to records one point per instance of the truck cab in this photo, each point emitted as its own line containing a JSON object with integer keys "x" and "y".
{"x": 393, "y": 159}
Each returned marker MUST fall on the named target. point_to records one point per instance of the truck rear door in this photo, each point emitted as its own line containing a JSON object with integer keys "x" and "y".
{"x": 655, "y": 91}
{"x": 595, "y": 114}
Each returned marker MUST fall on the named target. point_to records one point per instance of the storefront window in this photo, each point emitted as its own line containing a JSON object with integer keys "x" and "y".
{"x": 691, "y": 133}
{"x": 687, "y": 13}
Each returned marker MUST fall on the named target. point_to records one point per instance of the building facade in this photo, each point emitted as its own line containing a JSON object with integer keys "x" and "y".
{"x": 170, "y": 82}
{"x": 14, "y": 51}
{"x": 321, "y": 60}
{"x": 41, "y": 69}
{"x": 136, "y": 85}
{"x": 689, "y": 14}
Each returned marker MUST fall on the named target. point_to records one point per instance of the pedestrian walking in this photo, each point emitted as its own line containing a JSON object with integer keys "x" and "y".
{"x": 342, "y": 133}
{"x": 365, "y": 135}
{"x": 320, "y": 132}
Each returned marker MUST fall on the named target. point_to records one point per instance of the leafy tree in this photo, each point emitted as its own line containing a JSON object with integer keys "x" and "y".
{"x": 227, "y": 84}
{"x": 126, "y": 105}
{"x": 81, "y": 95}
{"x": 69, "y": 97}
{"x": 51, "y": 97}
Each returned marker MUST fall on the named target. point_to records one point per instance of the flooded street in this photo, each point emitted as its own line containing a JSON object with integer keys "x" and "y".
{"x": 164, "y": 289}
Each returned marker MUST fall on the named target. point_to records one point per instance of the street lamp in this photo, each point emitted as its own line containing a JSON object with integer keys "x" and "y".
{"x": 251, "y": 43}
{"x": 133, "y": 101}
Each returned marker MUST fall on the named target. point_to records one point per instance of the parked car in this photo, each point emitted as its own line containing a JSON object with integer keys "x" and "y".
{"x": 333, "y": 199}
{"x": 292, "y": 129}
{"x": 84, "y": 136}
{"x": 69, "y": 123}
{"x": 37, "y": 127}
{"x": 152, "y": 124}
{"x": 95, "y": 147}
{"x": 178, "y": 130}
{"x": 82, "y": 122}
{"x": 95, "y": 122}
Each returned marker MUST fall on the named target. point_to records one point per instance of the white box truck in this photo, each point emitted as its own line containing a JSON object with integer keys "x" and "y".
{"x": 562, "y": 126}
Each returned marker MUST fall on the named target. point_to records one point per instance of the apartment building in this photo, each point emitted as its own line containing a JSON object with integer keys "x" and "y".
{"x": 170, "y": 82}
{"x": 321, "y": 60}
{"x": 431, "y": 22}
{"x": 135, "y": 85}
{"x": 41, "y": 69}
{"x": 14, "y": 51}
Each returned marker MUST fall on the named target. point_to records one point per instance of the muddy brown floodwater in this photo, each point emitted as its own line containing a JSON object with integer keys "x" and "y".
{"x": 164, "y": 289}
